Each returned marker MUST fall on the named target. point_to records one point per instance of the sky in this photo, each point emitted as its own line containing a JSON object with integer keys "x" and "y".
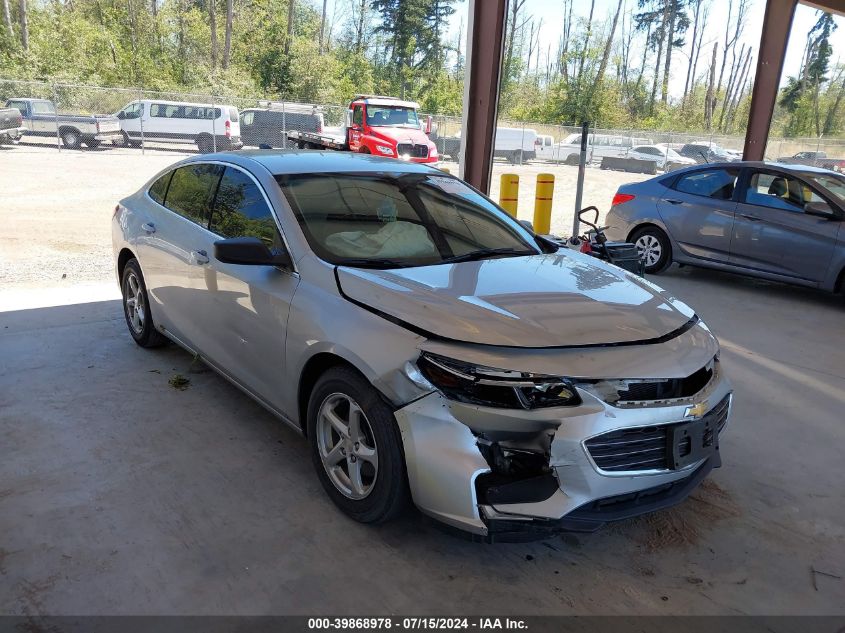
{"x": 552, "y": 12}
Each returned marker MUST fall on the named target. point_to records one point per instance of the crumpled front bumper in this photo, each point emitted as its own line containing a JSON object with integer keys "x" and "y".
{"x": 444, "y": 461}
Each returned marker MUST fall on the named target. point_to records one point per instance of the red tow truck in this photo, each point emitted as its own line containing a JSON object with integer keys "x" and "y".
{"x": 382, "y": 126}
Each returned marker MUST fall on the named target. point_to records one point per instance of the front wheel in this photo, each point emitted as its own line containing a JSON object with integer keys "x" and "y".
{"x": 654, "y": 248}
{"x": 136, "y": 307}
{"x": 356, "y": 447}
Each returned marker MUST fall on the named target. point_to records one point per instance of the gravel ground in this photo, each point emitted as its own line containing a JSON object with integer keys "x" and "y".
{"x": 56, "y": 206}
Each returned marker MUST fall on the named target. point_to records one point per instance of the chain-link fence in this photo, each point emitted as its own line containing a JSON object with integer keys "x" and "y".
{"x": 69, "y": 116}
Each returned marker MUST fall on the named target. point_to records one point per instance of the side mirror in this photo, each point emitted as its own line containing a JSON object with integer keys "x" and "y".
{"x": 121, "y": 115}
{"x": 249, "y": 251}
{"x": 527, "y": 224}
{"x": 821, "y": 210}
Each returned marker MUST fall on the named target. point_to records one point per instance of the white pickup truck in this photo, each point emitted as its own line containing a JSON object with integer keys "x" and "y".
{"x": 40, "y": 119}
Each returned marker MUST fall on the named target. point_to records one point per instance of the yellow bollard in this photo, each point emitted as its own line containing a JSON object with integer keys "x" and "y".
{"x": 543, "y": 203}
{"x": 446, "y": 169}
{"x": 509, "y": 193}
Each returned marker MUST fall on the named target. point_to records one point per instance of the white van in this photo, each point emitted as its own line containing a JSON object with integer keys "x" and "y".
{"x": 515, "y": 143}
{"x": 598, "y": 146}
{"x": 209, "y": 126}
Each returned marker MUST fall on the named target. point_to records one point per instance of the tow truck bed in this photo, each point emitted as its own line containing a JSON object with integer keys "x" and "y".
{"x": 331, "y": 140}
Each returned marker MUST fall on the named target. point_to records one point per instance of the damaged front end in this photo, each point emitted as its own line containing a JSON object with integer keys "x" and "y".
{"x": 509, "y": 455}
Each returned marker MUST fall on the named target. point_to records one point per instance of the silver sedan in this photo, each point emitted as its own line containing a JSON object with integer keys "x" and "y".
{"x": 430, "y": 347}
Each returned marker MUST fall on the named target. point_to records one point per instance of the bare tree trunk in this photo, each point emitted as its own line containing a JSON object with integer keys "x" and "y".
{"x": 710, "y": 98}
{"x": 212, "y": 21}
{"x": 567, "y": 29}
{"x": 359, "y": 31}
{"x": 670, "y": 37}
{"x": 183, "y": 49}
{"x": 24, "y": 24}
{"x": 691, "y": 52}
{"x": 606, "y": 55}
{"x": 586, "y": 41}
{"x": 7, "y": 19}
{"x": 732, "y": 107}
{"x": 645, "y": 57}
{"x": 291, "y": 7}
{"x": 831, "y": 113}
{"x": 659, "y": 56}
{"x": 227, "y": 38}
{"x": 323, "y": 26}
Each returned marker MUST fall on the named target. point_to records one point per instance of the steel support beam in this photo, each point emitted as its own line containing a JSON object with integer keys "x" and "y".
{"x": 777, "y": 23}
{"x": 485, "y": 47}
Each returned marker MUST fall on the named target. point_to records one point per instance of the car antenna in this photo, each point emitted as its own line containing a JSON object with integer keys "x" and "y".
{"x": 704, "y": 157}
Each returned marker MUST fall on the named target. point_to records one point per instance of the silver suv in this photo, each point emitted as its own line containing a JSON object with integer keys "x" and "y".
{"x": 427, "y": 344}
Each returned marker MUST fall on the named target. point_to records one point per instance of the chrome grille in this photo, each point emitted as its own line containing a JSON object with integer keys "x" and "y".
{"x": 414, "y": 151}
{"x": 648, "y": 448}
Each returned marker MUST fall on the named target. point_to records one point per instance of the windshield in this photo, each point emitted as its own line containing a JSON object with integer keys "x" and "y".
{"x": 391, "y": 116}
{"x": 400, "y": 220}
{"x": 834, "y": 184}
{"x": 670, "y": 153}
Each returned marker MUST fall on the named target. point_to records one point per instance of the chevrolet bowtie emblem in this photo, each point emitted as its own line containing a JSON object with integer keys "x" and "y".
{"x": 696, "y": 410}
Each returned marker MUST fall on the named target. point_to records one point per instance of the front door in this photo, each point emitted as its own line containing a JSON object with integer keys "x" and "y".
{"x": 773, "y": 234}
{"x": 698, "y": 211}
{"x": 357, "y": 128}
{"x": 241, "y": 326}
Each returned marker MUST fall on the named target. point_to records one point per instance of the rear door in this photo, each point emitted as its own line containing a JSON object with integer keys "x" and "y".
{"x": 698, "y": 210}
{"x": 773, "y": 234}
{"x": 243, "y": 322}
{"x": 173, "y": 248}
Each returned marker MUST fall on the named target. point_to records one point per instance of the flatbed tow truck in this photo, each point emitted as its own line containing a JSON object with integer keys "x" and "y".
{"x": 382, "y": 126}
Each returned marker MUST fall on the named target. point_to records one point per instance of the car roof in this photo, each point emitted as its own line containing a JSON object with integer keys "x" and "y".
{"x": 317, "y": 161}
{"x": 758, "y": 164}
{"x": 187, "y": 103}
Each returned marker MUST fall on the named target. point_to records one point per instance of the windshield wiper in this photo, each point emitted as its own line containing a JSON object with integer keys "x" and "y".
{"x": 374, "y": 262}
{"x": 486, "y": 253}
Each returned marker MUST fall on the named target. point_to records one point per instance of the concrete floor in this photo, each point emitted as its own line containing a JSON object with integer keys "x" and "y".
{"x": 122, "y": 495}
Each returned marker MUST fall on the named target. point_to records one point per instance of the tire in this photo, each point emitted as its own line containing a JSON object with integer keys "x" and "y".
{"x": 71, "y": 139}
{"x": 381, "y": 492}
{"x": 572, "y": 159}
{"x": 205, "y": 144}
{"x": 654, "y": 246}
{"x": 92, "y": 144}
{"x": 364, "y": 150}
{"x": 123, "y": 141}
{"x": 138, "y": 320}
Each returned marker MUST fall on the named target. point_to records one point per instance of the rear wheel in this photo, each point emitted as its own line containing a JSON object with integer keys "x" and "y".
{"x": 205, "y": 144}
{"x": 92, "y": 143}
{"x": 71, "y": 138}
{"x": 136, "y": 307}
{"x": 654, "y": 248}
{"x": 356, "y": 447}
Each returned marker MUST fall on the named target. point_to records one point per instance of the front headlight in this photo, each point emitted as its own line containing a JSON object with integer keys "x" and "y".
{"x": 491, "y": 387}
{"x": 387, "y": 151}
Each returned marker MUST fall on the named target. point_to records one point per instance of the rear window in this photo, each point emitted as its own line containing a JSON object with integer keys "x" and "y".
{"x": 710, "y": 183}
{"x": 191, "y": 191}
{"x": 158, "y": 190}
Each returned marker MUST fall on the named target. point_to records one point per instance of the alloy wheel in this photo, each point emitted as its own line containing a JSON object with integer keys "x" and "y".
{"x": 649, "y": 249}
{"x": 133, "y": 301}
{"x": 347, "y": 446}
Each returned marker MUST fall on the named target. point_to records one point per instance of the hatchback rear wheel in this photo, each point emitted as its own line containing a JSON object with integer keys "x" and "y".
{"x": 654, "y": 248}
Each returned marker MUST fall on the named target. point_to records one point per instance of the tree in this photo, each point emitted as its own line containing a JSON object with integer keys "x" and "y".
{"x": 24, "y": 24}
{"x": 7, "y": 19}
{"x": 289, "y": 38}
{"x": 212, "y": 21}
{"x": 323, "y": 25}
{"x": 227, "y": 41}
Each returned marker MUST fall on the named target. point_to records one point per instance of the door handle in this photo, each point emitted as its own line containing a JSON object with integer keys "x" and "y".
{"x": 752, "y": 218}
{"x": 673, "y": 201}
{"x": 148, "y": 227}
{"x": 198, "y": 258}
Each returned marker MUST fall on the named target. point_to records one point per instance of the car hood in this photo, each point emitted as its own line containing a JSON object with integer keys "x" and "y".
{"x": 558, "y": 300}
{"x": 401, "y": 135}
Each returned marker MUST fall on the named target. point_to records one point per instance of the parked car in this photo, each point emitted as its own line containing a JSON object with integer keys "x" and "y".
{"x": 705, "y": 152}
{"x": 427, "y": 344}
{"x": 666, "y": 158}
{"x": 268, "y": 123}
{"x": 598, "y": 146}
{"x": 208, "y": 125}
{"x": 815, "y": 159}
{"x": 513, "y": 144}
{"x": 11, "y": 125}
{"x": 40, "y": 119}
{"x": 755, "y": 218}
